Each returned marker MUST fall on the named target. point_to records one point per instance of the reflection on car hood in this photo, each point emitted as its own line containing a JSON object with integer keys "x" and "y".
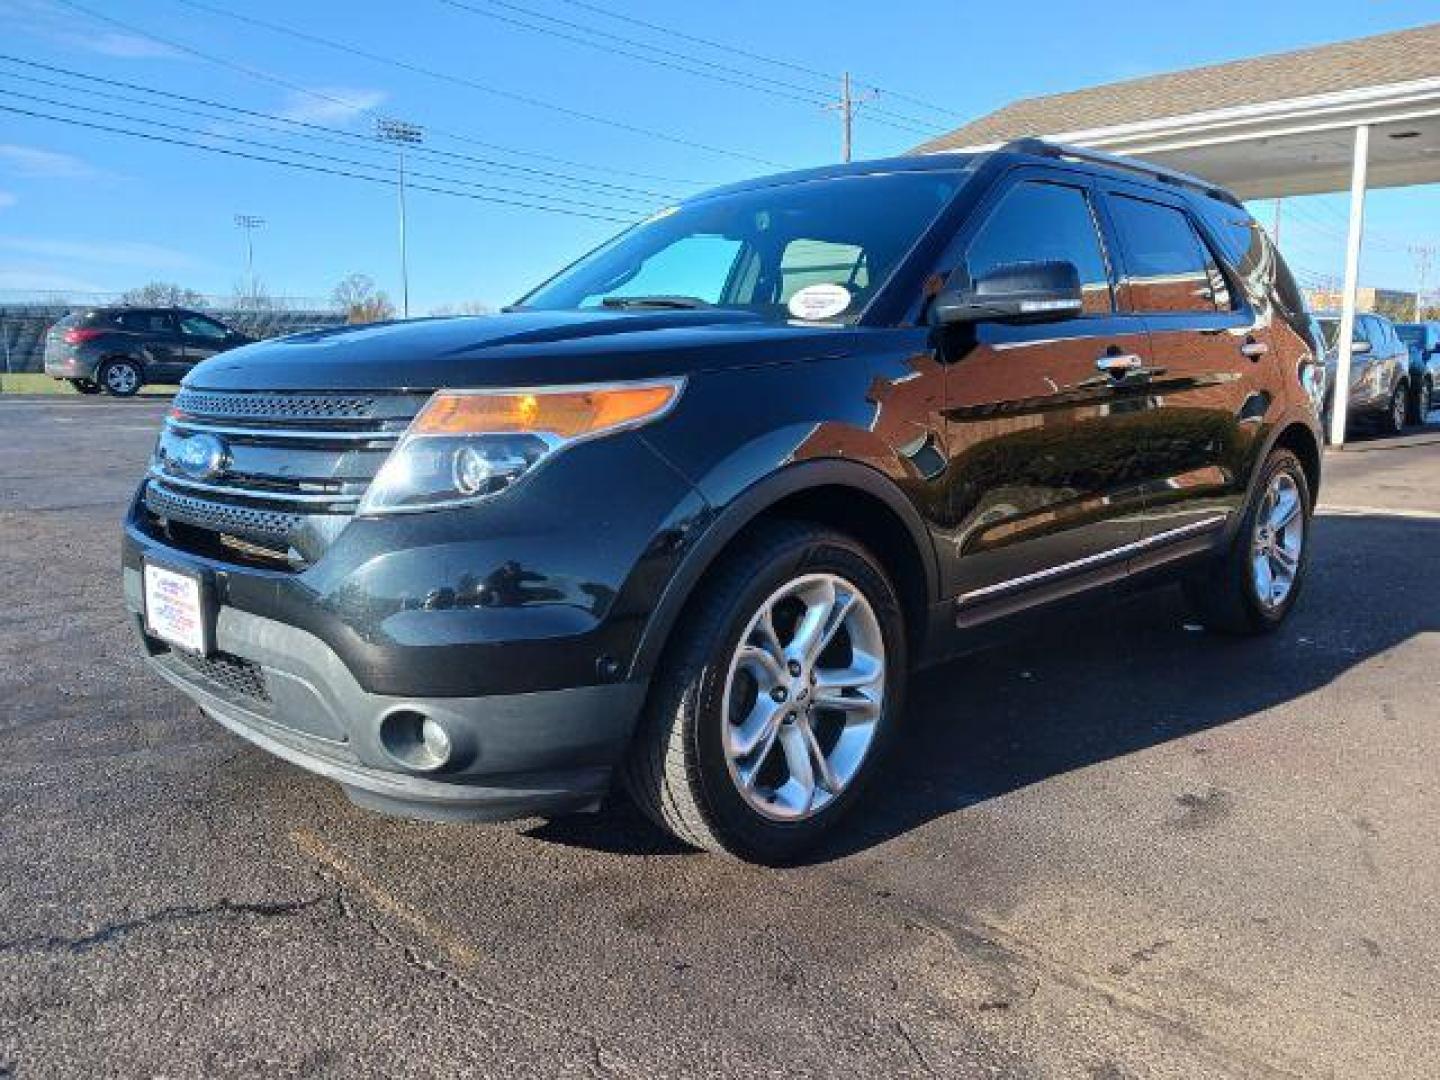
{"x": 528, "y": 348}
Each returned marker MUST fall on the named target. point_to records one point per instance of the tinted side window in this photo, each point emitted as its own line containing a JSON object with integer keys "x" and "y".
{"x": 145, "y": 322}
{"x": 1167, "y": 266}
{"x": 1037, "y": 221}
{"x": 199, "y": 326}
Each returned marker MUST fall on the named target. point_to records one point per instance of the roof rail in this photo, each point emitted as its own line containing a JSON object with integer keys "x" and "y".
{"x": 1067, "y": 152}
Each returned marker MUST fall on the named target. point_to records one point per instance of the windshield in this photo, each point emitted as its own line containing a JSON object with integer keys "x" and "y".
{"x": 1413, "y": 337}
{"x": 817, "y": 250}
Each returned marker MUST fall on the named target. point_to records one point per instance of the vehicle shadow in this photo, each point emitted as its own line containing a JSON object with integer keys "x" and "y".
{"x": 1098, "y": 685}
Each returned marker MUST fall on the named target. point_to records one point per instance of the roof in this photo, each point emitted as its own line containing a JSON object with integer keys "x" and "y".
{"x": 1385, "y": 59}
{"x": 868, "y": 167}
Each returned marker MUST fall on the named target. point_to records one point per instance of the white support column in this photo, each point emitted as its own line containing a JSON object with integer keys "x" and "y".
{"x": 1341, "y": 396}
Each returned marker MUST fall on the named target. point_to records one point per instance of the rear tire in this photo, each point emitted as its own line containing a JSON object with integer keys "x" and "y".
{"x": 1229, "y": 595}
{"x": 121, "y": 378}
{"x": 689, "y": 769}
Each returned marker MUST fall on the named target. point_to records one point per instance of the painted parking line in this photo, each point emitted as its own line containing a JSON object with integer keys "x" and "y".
{"x": 1377, "y": 511}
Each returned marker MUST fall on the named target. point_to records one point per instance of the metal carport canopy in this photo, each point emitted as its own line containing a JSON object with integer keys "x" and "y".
{"x": 1357, "y": 114}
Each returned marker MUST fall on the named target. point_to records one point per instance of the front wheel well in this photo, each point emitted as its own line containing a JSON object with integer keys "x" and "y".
{"x": 1300, "y": 441}
{"x": 879, "y": 528}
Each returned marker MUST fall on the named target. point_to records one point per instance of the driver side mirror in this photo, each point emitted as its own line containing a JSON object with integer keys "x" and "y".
{"x": 1026, "y": 292}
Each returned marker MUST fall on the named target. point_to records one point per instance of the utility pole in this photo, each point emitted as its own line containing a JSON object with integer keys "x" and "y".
{"x": 249, "y": 222}
{"x": 846, "y": 107}
{"x": 1275, "y": 237}
{"x": 401, "y": 134}
{"x": 1424, "y": 256}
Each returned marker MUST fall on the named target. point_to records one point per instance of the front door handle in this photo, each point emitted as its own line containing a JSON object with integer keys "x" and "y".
{"x": 1119, "y": 365}
{"x": 1254, "y": 349}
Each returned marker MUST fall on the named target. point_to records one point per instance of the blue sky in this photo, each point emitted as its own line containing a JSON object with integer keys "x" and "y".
{"x": 82, "y": 210}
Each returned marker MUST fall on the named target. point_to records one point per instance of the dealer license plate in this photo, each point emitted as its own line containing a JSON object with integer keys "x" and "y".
{"x": 175, "y": 609}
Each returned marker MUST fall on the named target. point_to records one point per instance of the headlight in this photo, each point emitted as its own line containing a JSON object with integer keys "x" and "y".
{"x": 467, "y": 445}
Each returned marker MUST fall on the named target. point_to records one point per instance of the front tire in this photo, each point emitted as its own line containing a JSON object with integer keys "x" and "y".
{"x": 1393, "y": 422}
{"x": 1253, "y": 588}
{"x": 121, "y": 378}
{"x": 1423, "y": 397}
{"x": 780, "y": 691}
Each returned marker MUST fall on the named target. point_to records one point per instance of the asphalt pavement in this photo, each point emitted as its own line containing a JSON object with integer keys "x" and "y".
{"x": 1120, "y": 848}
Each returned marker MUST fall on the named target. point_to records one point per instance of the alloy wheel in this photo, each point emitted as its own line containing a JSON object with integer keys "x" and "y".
{"x": 1277, "y": 541}
{"x": 804, "y": 697}
{"x": 121, "y": 379}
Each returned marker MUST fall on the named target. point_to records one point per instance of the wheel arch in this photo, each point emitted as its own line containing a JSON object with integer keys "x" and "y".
{"x": 1301, "y": 440}
{"x": 847, "y": 496}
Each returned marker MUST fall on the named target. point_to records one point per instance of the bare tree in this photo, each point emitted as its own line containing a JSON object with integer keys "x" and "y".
{"x": 255, "y": 312}
{"x": 163, "y": 294}
{"x": 361, "y": 302}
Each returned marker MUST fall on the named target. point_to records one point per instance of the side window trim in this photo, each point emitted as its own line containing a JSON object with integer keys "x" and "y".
{"x": 1108, "y": 190}
{"x": 954, "y": 257}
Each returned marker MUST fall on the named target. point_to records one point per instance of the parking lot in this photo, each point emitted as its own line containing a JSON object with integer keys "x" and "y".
{"x": 1122, "y": 848}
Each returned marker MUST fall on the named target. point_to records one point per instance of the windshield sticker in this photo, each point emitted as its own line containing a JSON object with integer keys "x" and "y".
{"x": 819, "y": 302}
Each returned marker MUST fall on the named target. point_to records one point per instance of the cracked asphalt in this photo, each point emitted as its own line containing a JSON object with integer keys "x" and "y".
{"x": 1120, "y": 848}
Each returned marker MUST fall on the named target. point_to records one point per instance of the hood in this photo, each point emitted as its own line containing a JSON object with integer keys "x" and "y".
{"x": 521, "y": 348}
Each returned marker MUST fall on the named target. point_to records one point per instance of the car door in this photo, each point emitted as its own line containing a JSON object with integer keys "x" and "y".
{"x": 203, "y": 337}
{"x": 156, "y": 338}
{"x": 1040, "y": 494}
{"x": 1214, "y": 381}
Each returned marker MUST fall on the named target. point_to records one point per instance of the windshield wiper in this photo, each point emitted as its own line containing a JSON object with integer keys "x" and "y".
{"x": 679, "y": 303}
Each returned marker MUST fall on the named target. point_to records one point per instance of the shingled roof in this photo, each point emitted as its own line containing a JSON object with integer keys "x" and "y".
{"x": 1402, "y": 56}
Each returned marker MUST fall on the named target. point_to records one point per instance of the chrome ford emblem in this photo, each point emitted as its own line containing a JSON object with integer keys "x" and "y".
{"x": 201, "y": 457}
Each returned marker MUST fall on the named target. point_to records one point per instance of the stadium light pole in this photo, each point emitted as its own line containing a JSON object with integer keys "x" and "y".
{"x": 401, "y": 134}
{"x": 249, "y": 222}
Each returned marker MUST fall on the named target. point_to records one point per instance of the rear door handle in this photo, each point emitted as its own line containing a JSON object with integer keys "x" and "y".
{"x": 1119, "y": 364}
{"x": 1254, "y": 349}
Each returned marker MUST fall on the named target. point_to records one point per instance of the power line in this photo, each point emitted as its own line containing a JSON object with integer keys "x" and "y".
{"x": 316, "y": 132}
{"x": 710, "y": 43}
{"x": 331, "y": 158}
{"x": 617, "y": 44}
{"x": 304, "y": 167}
{"x": 317, "y": 95}
{"x": 457, "y": 80}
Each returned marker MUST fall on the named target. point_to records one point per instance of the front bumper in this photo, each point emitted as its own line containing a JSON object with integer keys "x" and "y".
{"x": 514, "y": 755}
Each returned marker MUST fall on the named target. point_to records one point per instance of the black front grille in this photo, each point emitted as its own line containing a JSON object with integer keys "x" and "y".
{"x": 232, "y": 673}
{"x": 273, "y": 526}
{"x": 293, "y": 468}
{"x": 263, "y": 406}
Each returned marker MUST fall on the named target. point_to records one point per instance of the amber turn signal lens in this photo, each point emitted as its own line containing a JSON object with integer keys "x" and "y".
{"x": 568, "y": 412}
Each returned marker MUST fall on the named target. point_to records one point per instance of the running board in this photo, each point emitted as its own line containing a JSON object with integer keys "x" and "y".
{"x": 1102, "y": 568}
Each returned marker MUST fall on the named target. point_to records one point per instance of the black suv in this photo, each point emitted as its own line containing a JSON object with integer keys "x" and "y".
{"x": 119, "y": 350}
{"x": 688, "y": 514}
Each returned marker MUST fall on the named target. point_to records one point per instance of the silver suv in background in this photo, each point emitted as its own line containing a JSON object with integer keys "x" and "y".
{"x": 1423, "y": 341}
{"x": 119, "y": 350}
{"x": 1379, "y": 371}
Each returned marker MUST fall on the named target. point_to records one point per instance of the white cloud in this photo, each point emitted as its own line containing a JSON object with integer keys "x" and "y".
{"x": 45, "y": 20}
{"x": 7, "y": 198}
{"x": 123, "y": 46}
{"x": 140, "y": 256}
{"x": 45, "y": 164}
{"x": 46, "y": 279}
{"x": 331, "y": 104}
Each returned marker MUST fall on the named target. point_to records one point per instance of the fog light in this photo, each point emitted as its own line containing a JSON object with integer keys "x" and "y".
{"x": 415, "y": 740}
